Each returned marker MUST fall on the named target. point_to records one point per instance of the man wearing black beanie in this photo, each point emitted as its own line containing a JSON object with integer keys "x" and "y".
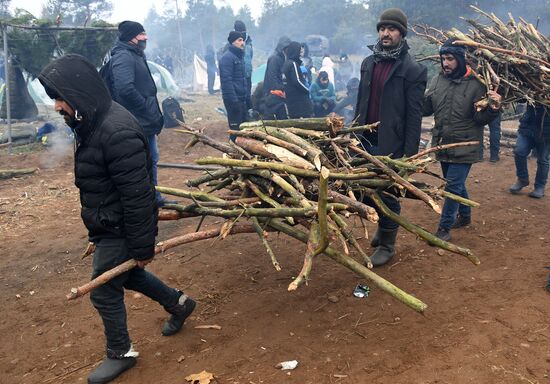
{"x": 390, "y": 91}
{"x": 133, "y": 86}
{"x": 452, "y": 98}
{"x": 233, "y": 81}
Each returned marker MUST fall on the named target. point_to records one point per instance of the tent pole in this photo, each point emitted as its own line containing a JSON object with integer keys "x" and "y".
{"x": 6, "y": 75}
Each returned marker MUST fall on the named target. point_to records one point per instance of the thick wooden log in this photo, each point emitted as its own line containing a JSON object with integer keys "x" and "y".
{"x": 9, "y": 173}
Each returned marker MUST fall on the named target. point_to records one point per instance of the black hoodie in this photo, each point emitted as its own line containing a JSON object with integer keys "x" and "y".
{"x": 297, "y": 92}
{"x": 112, "y": 160}
{"x": 273, "y": 72}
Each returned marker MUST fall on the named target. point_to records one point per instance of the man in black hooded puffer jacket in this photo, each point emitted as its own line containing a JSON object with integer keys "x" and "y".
{"x": 274, "y": 95}
{"x": 297, "y": 92}
{"x": 117, "y": 195}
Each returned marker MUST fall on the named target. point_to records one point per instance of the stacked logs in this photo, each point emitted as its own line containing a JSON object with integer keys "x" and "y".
{"x": 307, "y": 179}
{"x": 511, "y": 57}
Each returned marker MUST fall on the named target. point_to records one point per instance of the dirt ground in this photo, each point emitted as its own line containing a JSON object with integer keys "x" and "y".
{"x": 484, "y": 324}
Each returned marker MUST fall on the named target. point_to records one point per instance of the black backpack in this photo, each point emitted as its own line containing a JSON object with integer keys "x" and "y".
{"x": 106, "y": 74}
{"x": 172, "y": 110}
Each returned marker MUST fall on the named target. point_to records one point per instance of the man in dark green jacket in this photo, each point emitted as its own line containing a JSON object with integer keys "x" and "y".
{"x": 451, "y": 98}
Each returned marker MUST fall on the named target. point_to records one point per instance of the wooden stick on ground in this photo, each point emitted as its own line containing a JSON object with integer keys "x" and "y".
{"x": 8, "y": 173}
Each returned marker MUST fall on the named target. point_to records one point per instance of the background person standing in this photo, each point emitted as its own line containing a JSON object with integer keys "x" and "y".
{"x": 233, "y": 81}
{"x": 134, "y": 88}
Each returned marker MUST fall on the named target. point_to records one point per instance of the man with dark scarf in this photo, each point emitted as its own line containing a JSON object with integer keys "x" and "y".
{"x": 390, "y": 91}
{"x": 451, "y": 98}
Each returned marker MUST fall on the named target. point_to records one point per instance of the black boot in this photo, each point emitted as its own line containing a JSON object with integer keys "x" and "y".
{"x": 375, "y": 242}
{"x": 386, "y": 247}
{"x": 443, "y": 234}
{"x": 180, "y": 312}
{"x": 112, "y": 367}
{"x": 518, "y": 186}
{"x": 462, "y": 221}
{"x": 537, "y": 193}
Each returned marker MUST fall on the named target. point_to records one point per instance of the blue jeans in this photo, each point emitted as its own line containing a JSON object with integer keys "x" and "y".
{"x": 456, "y": 175}
{"x": 108, "y": 299}
{"x": 524, "y": 145}
{"x": 155, "y": 156}
{"x": 494, "y": 138}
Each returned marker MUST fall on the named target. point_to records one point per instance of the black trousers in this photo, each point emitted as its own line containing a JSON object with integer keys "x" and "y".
{"x": 211, "y": 78}
{"x": 108, "y": 299}
{"x": 275, "y": 108}
{"x": 393, "y": 204}
{"x": 236, "y": 114}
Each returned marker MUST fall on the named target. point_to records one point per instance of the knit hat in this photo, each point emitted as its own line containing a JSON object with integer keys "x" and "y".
{"x": 449, "y": 48}
{"x": 239, "y": 26}
{"x": 459, "y": 53}
{"x": 394, "y": 17}
{"x": 127, "y": 30}
{"x": 234, "y": 35}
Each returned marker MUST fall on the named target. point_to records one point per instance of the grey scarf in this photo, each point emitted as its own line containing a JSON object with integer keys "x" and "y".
{"x": 381, "y": 54}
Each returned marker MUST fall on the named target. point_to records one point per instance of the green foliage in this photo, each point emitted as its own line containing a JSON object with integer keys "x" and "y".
{"x": 420, "y": 49}
{"x": 92, "y": 44}
{"x": 33, "y": 49}
{"x": 78, "y": 12}
{"x": 447, "y": 14}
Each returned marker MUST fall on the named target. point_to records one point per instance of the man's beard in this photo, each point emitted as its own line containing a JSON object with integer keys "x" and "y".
{"x": 69, "y": 120}
{"x": 391, "y": 44}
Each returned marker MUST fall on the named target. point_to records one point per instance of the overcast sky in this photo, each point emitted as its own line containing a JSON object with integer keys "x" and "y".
{"x": 137, "y": 9}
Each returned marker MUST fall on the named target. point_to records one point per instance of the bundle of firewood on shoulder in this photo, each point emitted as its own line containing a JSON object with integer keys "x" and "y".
{"x": 307, "y": 179}
{"x": 512, "y": 56}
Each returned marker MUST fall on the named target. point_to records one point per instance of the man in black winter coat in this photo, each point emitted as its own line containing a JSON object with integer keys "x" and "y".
{"x": 134, "y": 88}
{"x": 391, "y": 91}
{"x": 297, "y": 92}
{"x": 274, "y": 95}
{"x": 113, "y": 172}
{"x": 233, "y": 82}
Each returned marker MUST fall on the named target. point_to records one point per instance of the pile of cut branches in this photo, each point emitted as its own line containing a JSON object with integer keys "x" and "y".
{"x": 511, "y": 57}
{"x": 307, "y": 178}
{"x": 311, "y": 180}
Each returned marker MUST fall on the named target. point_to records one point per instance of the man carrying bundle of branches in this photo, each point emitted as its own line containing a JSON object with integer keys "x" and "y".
{"x": 451, "y": 98}
{"x": 391, "y": 90}
{"x": 113, "y": 171}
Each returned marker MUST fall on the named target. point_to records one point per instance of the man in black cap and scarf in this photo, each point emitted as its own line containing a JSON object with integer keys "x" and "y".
{"x": 452, "y": 98}
{"x": 390, "y": 91}
{"x": 133, "y": 86}
{"x": 233, "y": 81}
